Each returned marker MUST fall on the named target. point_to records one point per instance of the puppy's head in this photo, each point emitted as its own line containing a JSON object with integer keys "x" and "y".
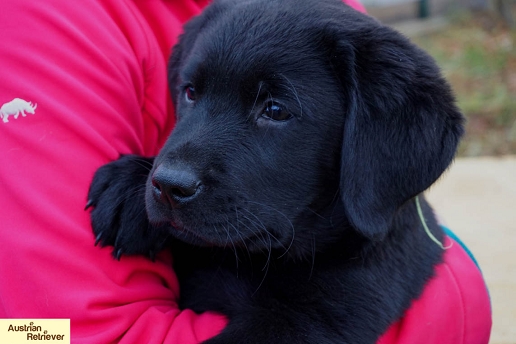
{"x": 298, "y": 120}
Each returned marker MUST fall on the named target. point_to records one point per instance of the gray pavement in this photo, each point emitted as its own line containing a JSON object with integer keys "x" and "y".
{"x": 476, "y": 198}
{"x": 418, "y": 27}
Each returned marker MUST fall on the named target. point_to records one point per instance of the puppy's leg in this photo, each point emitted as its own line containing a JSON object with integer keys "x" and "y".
{"x": 118, "y": 218}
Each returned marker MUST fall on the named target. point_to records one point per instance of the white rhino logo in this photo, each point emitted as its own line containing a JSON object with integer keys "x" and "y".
{"x": 15, "y": 107}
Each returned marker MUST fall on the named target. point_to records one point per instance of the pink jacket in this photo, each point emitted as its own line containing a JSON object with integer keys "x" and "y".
{"x": 453, "y": 309}
{"x": 90, "y": 77}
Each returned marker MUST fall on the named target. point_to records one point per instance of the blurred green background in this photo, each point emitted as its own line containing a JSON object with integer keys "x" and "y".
{"x": 475, "y": 45}
{"x": 477, "y": 53}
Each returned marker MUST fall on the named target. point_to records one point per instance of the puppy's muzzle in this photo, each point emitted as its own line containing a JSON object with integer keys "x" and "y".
{"x": 176, "y": 185}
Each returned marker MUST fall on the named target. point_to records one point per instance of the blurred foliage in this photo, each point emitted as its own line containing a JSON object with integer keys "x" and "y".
{"x": 477, "y": 53}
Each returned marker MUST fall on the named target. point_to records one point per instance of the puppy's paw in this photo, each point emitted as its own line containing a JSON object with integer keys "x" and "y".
{"x": 118, "y": 217}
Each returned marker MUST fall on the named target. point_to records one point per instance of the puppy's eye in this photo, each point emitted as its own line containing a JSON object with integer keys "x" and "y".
{"x": 275, "y": 112}
{"x": 190, "y": 93}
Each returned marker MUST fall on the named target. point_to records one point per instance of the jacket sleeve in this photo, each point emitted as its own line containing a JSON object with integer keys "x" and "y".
{"x": 80, "y": 83}
{"x": 454, "y": 307}
{"x": 356, "y": 5}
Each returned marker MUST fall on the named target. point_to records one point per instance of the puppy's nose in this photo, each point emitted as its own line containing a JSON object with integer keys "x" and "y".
{"x": 175, "y": 186}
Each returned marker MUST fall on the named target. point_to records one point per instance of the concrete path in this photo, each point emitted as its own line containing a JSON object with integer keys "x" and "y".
{"x": 476, "y": 198}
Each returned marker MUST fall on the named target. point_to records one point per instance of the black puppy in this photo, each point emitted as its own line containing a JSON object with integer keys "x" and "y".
{"x": 305, "y": 132}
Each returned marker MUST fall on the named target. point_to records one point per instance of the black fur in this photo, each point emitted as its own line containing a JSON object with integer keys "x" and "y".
{"x": 301, "y": 228}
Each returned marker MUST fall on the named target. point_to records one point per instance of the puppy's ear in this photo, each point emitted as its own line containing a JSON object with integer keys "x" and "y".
{"x": 181, "y": 51}
{"x": 401, "y": 127}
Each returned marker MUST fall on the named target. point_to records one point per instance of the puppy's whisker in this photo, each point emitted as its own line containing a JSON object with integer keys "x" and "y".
{"x": 239, "y": 235}
{"x": 255, "y": 100}
{"x": 289, "y": 222}
{"x": 262, "y": 226}
{"x": 267, "y": 263}
{"x": 265, "y": 267}
{"x": 316, "y": 213}
{"x": 313, "y": 257}
{"x": 234, "y": 247}
{"x": 143, "y": 163}
{"x": 264, "y": 234}
{"x": 292, "y": 88}
{"x": 257, "y": 221}
{"x": 291, "y": 242}
{"x": 335, "y": 204}
{"x": 227, "y": 240}
{"x": 258, "y": 233}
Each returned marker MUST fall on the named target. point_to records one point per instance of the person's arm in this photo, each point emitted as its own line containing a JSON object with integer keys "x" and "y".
{"x": 90, "y": 77}
{"x": 93, "y": 74}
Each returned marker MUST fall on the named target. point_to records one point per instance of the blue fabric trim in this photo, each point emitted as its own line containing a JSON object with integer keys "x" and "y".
{"x": 452, "y": 235}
